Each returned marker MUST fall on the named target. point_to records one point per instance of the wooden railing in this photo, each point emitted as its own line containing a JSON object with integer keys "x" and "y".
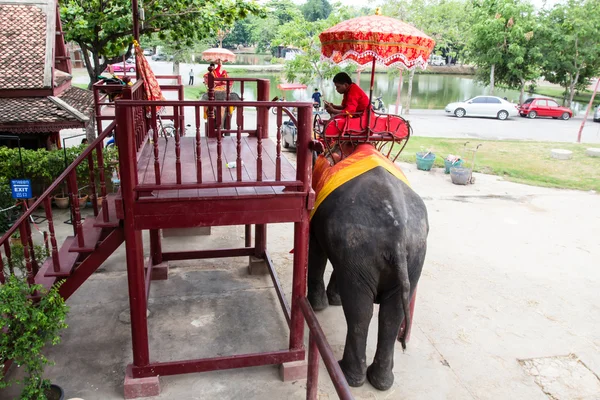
{"x": 317, "y": 345}
{"x": 262, "y": 94}
{"x": 104, "y": 106}
{"x": 251, "y": 176}
{"x": 96, "y": 169}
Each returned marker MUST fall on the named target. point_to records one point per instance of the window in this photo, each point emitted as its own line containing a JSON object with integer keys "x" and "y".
{"x": 493, "y": 100}
{"x": 552, "y": 103}
{"x": 541, "y": 103}
{"x": 479, "y": 100}
{"x": 528, "y": 101}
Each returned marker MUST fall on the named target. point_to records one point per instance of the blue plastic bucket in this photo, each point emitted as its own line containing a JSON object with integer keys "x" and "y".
{"x": 425, "y": 161}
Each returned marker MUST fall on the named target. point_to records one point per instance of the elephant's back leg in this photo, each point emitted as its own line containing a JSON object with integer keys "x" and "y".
{"x": 357, "y": 304}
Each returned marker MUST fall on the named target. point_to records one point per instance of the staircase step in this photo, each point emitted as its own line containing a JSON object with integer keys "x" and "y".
{"x": 113, "y": 220}
{"x": 67, "y": 261}
{"x": 91, "y": 235}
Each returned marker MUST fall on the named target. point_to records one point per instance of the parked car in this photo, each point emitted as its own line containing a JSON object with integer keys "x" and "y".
{"x": 483, "y": 106}
{"x": 544, "y": 107}
{"x": 121, "y": 67}
{"x": 148, "y": 52}
{"x": 597, "y": 114}
{"x": 437, "y": 60}
{"x": 161, "y": 57}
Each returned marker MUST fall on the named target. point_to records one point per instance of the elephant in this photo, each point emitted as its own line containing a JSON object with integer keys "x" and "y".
{"x": 373, "y": 229}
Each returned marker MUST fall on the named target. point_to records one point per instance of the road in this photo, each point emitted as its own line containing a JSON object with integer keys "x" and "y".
{"x": 435, "y": 123}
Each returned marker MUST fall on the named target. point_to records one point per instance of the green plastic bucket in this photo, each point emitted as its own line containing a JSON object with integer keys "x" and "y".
{"x": 425, "y": 161}
{"x": 449, "y": 165}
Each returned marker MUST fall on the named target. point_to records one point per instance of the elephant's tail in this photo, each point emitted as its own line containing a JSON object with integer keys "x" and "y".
{"x": 402, "y": 268}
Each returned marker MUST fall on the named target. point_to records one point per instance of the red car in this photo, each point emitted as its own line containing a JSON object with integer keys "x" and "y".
{"x": 544, "y": 107}
{"x": 121, "y": 67}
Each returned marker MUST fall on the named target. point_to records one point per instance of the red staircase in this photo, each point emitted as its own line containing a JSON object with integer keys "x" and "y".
{"x": 94, "y": 238}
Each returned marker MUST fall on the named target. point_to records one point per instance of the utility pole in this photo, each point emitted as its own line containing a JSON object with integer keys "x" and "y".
{"x": 588, "y": 110}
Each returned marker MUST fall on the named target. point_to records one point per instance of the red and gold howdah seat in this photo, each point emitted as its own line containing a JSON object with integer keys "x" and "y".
{"x": 369, "y": 40}
{"x": 386, "y": 132}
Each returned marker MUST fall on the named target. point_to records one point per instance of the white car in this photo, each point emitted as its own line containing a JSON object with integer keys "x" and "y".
{"x": 483, "y": 106}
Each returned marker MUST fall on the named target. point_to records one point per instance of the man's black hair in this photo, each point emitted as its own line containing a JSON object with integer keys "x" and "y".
{"x": 342, "y": 78}
{"x": 211, "y": 65}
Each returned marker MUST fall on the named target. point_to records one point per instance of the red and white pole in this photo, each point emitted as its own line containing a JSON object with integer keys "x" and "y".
{"x": 587, "y": 112}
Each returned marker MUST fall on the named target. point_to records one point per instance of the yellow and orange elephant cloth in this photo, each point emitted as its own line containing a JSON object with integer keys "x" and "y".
{"x": 327, "y": 178}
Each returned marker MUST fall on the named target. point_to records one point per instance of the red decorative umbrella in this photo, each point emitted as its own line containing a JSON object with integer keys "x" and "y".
{"x": 376, "y": 39}
{"x": 151, "y": 87}
{"x": 217, "y": 54}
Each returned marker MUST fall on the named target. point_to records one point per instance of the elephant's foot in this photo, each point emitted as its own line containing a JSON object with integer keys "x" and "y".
{"x": 380, "y": 378}
{"x": 334, "y": 298}
{"x": 353, "y": 379}
{"x": 318, "y": 302}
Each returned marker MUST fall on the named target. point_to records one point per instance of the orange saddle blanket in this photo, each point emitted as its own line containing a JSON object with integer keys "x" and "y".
{"x": 327, "y": 178}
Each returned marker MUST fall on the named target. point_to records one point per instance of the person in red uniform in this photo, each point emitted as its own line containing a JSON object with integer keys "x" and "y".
{"x": 217, "y": 72}
{"x": 355, "y": 100}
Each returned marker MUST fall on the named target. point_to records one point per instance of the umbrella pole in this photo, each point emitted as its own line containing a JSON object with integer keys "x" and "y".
{"x": 369, "y": 112}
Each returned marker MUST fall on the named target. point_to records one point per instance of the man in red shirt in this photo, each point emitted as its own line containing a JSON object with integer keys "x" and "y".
{"x": 355, "y": 99}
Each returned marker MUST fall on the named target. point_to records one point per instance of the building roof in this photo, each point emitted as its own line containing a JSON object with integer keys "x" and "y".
{"x": 46, "y": 114}
{"x": 26, "y": 41}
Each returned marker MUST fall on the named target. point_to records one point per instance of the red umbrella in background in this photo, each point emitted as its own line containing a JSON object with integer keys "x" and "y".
{"x": 376, "y": 39}
{"x": 151, "y": 87}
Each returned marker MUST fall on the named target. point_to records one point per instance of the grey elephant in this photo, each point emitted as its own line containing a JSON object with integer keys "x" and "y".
{"x": 373, "y": 228}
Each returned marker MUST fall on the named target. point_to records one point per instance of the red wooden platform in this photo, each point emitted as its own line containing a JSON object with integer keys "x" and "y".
{"x": 184, "y": 182}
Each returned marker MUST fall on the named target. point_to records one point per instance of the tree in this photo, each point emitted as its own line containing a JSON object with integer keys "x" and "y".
{"x": 446, "y": 21}
{"x": 264, "y": 30}
{"x": 505, "y": 43}
{"x": 314, "y": 10}
{"x": 501, "y": 44}
{"x": 103, "y": 29}
{"x": 570, "y": 43}
{"x": 181, "y": 52}
{"x": 240, "y": 33}
{"x": 308, "y": 67}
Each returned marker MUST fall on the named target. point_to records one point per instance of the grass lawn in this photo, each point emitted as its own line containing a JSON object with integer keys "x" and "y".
{"x": 193, "y": 92}
{"x": 518, "y": 161}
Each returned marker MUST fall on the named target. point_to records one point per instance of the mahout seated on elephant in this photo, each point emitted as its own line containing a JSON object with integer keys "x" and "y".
{"x": 373, "y": 229}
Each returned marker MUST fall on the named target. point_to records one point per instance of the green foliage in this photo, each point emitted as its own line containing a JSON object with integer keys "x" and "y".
{"x": 43, "y": 167}
{"x": 104, "y": 28}
{"x": 27, "y": 326}
{"x": 6, "y": 201}
{"x": 308, "y": 67}
{"x": 446, "y": 21}
{"x": 314, "y": 10}
{"x": 17, "y": 258}
{"x": 570, "y": 42}
{"x": 264, "y": 31}
{"x": 504, "y": 37}
{"x": 241, "y": 33}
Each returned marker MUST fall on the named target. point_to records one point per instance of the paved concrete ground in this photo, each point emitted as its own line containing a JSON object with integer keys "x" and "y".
{"x": 508, "y": 307}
